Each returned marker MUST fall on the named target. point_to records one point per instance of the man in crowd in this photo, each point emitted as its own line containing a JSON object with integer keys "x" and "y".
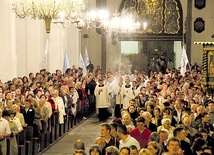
{"x": 148, "y": 118}
{"x": 180, "y": 133}
{"x": 173, "y": 147}
{"x": 125, "y": 139}
{"x": 141, "y": 133}
{"x": 105, "y": 130}
{"x": 102, "y": 100}
{"x": 79, "y": 145}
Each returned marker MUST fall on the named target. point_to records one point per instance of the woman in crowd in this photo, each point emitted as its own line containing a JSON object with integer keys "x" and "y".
{"x": 154, "y": 148}
{"x": 166, "y": 124}
{"x": 156, "y": 119}
{"x": 95, "y": 150}
{"x": 144, "y": 152}
{"x": 37, "y": 122}
{"x": 125, "y": 151}
{"x": 154, "y": 137}
{"x": 133, "y": 112}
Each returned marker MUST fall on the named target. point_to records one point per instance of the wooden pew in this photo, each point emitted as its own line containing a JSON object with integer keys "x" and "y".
{"x": 52, "y": 128}
{"x": 29, "y": 140}
{"x": 47, "y": 134}
{"x": 21, "y": 141}
{"x": 8, "y": 146}
{"x": 56, "y": 125}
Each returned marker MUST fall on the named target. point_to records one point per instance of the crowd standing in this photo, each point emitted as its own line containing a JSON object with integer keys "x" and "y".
{"x": 153, "y": 114}
{"x": 160, "y": 113}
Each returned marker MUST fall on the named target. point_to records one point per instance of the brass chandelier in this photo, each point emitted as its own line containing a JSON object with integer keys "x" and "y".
{"x": 58, "y": 11}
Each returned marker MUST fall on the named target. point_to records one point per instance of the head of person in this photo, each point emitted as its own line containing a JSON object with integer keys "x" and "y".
{"x": 79, "y": 152}
{"x": 55, "y": 93}
{"x": 105, "y": 129}
{"x": 113, "y": 129}
{"x": 166, "y": 123}
{"x": 42, "y": 102}
{"x": 211, "y": 106}
{"x": 125, "y": 151}
{"x": 150, "y": 108}
{"x": 79, "y": 145}
{"x": 156, "y": 112}
{"x": 112, "y": 150}
{"x": 154, "y": 136}
{"x": 15, "y": 108}
{"x": 140, "y": 121}
{"x": 154, "y": 148}
{"x": 101, "y": 81}
{"x": 6, "y": 114}
{"x": 147, "y": 116}
{"x": 200, "y": 109}
{"x": 163, "y": 135}
{"x": 132, "y": 102}
{"x": 198, "y": 144}
{"x": 100, "y": 142}
{"x": 126, "y": 119}
{"x": 204, "y": 133}
{"x": 131, "y": 108}
{"x": 127, "y": 81}
{"x": 95, "y": 150}
{"x": 141, "y": 111}
{"x": 187, "y": 121}
{"x": 9, "y": 103}
{"x": 133, "y": 150}
{"x": 205, "y": 117}
{"x": 143, "y": 90}
{"x": 12, "y": 114}
{"x": 173, "y": 146}
{"x": 122, "y": 130}
{"x": 178, "y": 103}
{"x": 144, "y": 151}
{"x": 180, "y": 133}
{"x": 27, "y": 103}
{"x": 166, "y": 111}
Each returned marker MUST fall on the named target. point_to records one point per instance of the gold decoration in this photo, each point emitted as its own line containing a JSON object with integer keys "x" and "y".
{"x": 162, "y": 16}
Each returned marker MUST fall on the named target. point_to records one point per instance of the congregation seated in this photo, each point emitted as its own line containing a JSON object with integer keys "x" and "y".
{"x": 167, "y": 101}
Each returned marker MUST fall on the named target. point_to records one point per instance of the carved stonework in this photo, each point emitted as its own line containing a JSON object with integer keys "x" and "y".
{"x": 172, "y": 17}
{"x": 199, "y": 25}
{"x": 200, "y": 4}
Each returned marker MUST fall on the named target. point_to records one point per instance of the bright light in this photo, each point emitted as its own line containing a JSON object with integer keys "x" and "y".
{"x": 144, "y": 25}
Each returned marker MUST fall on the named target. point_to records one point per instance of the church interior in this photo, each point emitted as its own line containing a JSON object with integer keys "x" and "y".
{"x": 171, "y": 25}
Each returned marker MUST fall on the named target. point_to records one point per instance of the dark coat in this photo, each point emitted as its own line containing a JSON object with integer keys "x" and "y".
{"x": 29, "y": 116}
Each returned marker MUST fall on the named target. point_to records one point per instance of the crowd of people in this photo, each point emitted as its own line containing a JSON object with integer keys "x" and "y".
{"x": 160, "y": 113}
{"x": 32, "y": 100}
{"x": 155, "y": 114}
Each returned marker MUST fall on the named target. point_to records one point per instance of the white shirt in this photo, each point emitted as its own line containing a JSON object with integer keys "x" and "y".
{"x": 129, "y": 141}
{"x": 4, "y": 126}
{"x": 18, "y": 123}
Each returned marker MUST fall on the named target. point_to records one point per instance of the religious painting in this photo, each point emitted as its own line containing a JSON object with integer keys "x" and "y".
{"x": 211, "y": 62}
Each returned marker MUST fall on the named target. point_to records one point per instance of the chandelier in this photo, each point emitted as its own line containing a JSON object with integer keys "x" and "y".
{"x": 58, "y": 11}
{"x": 64, "y": 12}
{"x": 128, "y": 19}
